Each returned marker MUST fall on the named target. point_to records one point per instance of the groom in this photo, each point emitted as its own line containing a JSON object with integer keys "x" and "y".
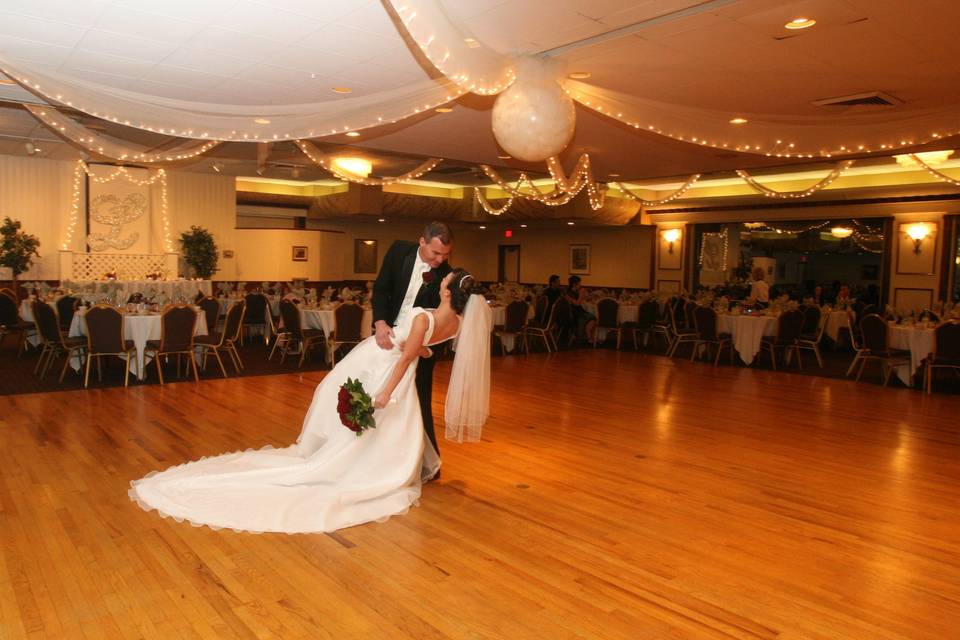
{"x": 410, "y": 277}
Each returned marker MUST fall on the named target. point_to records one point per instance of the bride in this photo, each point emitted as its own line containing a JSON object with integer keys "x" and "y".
{"x": 332, "y": 478}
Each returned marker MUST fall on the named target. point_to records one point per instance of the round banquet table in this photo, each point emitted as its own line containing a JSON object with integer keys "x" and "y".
{"x": 918, "y": 339}
{"x": 500, "y": 317}
{"x": 747, "y": 332}
{"x": 139, "y": 328}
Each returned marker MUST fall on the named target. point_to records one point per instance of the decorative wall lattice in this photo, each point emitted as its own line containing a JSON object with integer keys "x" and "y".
{"x": 126, "y": 266}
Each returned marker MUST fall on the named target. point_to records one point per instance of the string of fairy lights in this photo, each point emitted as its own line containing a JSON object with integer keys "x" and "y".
{"x": 320, "y": 160}
{"x": 835, "y": 173}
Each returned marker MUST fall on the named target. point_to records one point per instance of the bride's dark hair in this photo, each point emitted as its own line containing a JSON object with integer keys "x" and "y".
{"x": 462, "y": 286}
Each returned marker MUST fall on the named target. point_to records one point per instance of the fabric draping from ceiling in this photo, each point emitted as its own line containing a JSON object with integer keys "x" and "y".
{"x": 98, "y": 145}
{"x": 208, "y": 121}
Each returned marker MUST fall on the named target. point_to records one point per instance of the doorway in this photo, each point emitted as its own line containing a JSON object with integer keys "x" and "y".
{"x": 509, "y": 263}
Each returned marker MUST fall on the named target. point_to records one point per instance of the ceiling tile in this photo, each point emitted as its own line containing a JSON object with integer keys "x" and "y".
{"x": 31, "y": 51}
{"x": 206, "y": 61}
{"x": 266, "y": 22}
{"x": 83, "y": 13}
{"x": 106, "y": 42}
{"x": 106, "y": 64}
{"x": 41, "y": 30}
{"x": 156, "y": 26}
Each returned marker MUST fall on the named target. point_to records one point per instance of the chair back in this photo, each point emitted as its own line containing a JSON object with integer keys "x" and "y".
{"x": 790, "y": 325}
{"x": 290, "y": 314}
{"x": 9, "y": 312}
{"x": 104, "y": 329}
{"x": 47, "y": 323}
{"x": 257, "y": 306}
{"x": 562, "y": 315}
{"x": 197, "y": 298}
{"x": 542, "y": 308}
{"x": 649, "y": 313}
{"x": 688, "y": 308}
{"x": 608, "y": 313}
{"x": 705, "y": 322}
{"x": 811, "y": 319}
{"x": 233, "y": 323}
{"x": 177, "y": 324}
{"x": 349, "y": 321}
{"x": 515, "y": 317}
{"x": 873, "y": 328}
{"x": 4, "y": 291}
{"x": 211, "y": 311}
{"x": 947, "y": 337}
{"x": 66, "y": 307}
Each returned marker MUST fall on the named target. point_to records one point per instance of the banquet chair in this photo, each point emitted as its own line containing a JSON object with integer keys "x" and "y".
{"x": 563, "y": 322}
{"x": 855, "y": 344}
{"x": 54, "y": 342}
{"x": 215, "y": 342}
{"x": 608, "y": 317}
{"x": 814, "y": 324}
{"x": 515, "y": 324}
{"x": 541, "y": 309}
{"x": 681, "y": 333}
{"x": 347, "y": 328}
{"x": 649, "y": 322}
{"x": 789, "y": 330}
{"x": 11, "y": 323}
{"x": 257, "y": 315}
{"x": 876, "y": 346}
{"x": 946, "y": 354}
{"x": 705, "y": 320}
{"x": 297, "y": 335}
{"x": 105, "y": 338}
{"x": 542, "y": 329}
{"x": 211, "y": 312}
{"x": 66, "y": 307}
{"x": 177, "y": 324}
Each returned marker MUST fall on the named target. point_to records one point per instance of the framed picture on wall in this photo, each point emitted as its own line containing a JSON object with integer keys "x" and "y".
{"x": 299, "y": 254}
{"x": 580, "y": 259}
{"x": 364, "y": 256}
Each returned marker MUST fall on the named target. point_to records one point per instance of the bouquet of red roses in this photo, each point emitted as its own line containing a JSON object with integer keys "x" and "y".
{"x": 355, "y": 407}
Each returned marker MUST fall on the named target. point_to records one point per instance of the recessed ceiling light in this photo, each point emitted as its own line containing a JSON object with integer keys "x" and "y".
{"x": 483, "y": 226}
{"x": 472, "y": 43}
{"x": 353, "y": 134}
{"x": 738, "y": 121}
{"x": 571, "y": 223}
{"x": 341, "y": 89}
{"x": 523, "y": 226}
{"x": 579, "y": 75}
{"x": 443, "y": 109}
{"x": 800, "y": 23}
{"x": 504, "y": 157}
{"x": 261, "y": 121}
{"x": 381, "y": 220}
{"x": 614, "y": 175}
{"x": 355, "y": 166}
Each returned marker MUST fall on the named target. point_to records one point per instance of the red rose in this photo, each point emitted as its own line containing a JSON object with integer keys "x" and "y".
{"x": 428, "y": 277}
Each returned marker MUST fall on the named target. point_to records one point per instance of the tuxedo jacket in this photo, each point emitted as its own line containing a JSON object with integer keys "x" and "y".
{"x": 391, "y": 285}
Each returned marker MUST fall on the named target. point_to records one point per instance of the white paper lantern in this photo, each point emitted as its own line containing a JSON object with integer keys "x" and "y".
{"x": 534, "y": 119}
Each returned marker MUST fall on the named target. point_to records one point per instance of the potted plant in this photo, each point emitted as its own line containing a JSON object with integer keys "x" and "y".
{"x": 199, "y": 251}
{"x": 18, "y": 248}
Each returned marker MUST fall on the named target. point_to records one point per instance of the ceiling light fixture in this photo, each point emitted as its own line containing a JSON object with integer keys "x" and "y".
{"x": 800, "y": 23}
{"x": 217, "y": 167}
{"x": 927, "y": 157}
{"x": 353, "y": 134}
{"x": 483, "y": 226}
{"x": 261, "y": 121}
{"x": 505, "y": 157}
{"x": 579, "y": 75}
{"x": 571, "y": 223}
{"x": 443, "y": 109}
{"x": 355, "y": 166}
{"x": 381, "y": 219}
{"x": 523, "y": 226}
{"x": 614, "y": 175}
{"x": 341, "y": 89}
{"x": 739, "y": 121}
{"x": 841, "y": 232}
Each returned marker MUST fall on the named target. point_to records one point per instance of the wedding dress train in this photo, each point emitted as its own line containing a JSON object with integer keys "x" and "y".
{"x": 329, "y": 479}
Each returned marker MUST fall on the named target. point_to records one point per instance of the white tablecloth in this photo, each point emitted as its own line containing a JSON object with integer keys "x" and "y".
{"x": 324, "y": 319}
{"x": 500, "y": 317}
{"x": 747, "y": 332}
{"x": 91, "y": 290}
{"x": 918, "y": 339}
{"x": 138, "y": 328}
{"x": 836, "y": 320}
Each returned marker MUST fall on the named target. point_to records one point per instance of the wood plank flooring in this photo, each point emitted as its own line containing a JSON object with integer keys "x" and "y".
{"x": 615, "y": 495}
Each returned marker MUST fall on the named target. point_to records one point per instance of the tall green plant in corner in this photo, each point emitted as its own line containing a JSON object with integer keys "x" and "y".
{"x": 199, "y": 251}
{"x": 18, "y": 248}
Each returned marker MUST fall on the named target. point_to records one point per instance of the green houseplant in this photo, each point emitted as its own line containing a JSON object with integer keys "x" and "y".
{"x": 199, "y": 251}
{"x": 18, "y": 248}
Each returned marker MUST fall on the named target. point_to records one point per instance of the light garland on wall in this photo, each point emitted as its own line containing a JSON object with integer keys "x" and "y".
{"x": 121, "y": 172}
{"x": 726, "y": 244}
{"x": 94, "y": 144}
{"x": 692, "y": 180}
{"x": 933, "y": 172}
{"x": 320, "y": 160}
{"x": 806, "y": 193}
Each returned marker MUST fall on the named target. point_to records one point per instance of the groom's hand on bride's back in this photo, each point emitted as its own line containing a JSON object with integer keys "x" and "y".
{"x": 384, "y": 334}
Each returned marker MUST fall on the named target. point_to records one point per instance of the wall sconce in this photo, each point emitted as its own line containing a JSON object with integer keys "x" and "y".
{"x": 841, "y": 232}
{"x": 671, "y": 236}
{"x": 917, "y": 233}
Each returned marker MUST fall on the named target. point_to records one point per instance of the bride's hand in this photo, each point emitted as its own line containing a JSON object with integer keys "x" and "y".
{"x": 382, "y": 400}
{"x": 425, "y": 352}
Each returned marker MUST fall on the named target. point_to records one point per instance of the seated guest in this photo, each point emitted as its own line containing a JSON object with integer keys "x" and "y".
{"x": 585, "y": 321}
{"x": 819, "y": 298}
{"x": 844, "y": 298}
{"x": 553, "y": 291}
{"x": 759, "y": 289}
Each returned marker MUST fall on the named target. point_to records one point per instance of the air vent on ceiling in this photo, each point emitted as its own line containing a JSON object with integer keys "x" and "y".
{"x": 877, "y": 98}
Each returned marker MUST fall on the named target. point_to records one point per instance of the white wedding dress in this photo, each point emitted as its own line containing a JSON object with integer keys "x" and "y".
{"x": 329, "y": 479}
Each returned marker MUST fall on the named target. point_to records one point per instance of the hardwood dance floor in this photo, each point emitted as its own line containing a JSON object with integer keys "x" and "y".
{"x": 615, "y": 495}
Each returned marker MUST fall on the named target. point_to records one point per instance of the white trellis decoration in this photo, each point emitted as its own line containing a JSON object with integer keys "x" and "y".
{"x": 125, "y": 266}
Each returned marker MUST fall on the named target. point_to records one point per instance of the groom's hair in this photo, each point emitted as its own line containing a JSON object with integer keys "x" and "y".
{"x": 438, "y": 229}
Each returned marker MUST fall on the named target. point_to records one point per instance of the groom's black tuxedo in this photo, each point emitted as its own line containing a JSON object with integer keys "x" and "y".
{"x": 388, "y": 292}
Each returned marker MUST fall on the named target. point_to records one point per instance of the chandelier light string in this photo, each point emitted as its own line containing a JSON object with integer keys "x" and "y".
{"x": 822, "y": 184}
{"x": 489, "y": 208}
{"x": 320, "y": 160}
{"x": 565, "y": 188}
{"x": 933, "y": 172}
{"x": 692, "y": 180}
{"x": 120, "y": 172}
